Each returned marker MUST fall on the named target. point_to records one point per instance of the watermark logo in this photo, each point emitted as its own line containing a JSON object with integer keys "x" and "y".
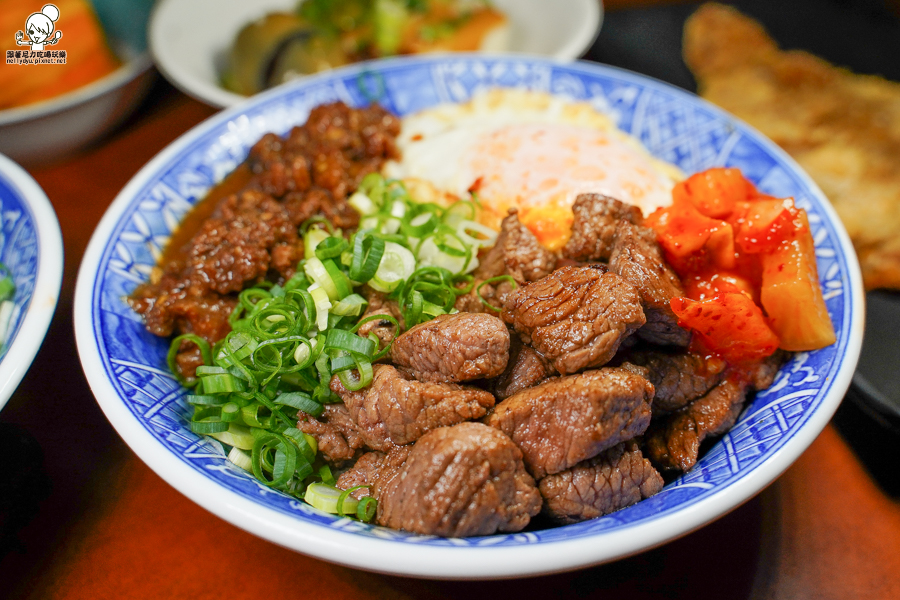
{"x": 41, "y": 31}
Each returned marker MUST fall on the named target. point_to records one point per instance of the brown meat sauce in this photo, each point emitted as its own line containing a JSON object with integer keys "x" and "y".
{"x": 246, "y": 230}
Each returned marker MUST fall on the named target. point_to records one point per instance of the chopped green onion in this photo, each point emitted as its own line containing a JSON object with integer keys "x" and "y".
{"x": 240, "y": 459}
{"x": 311, "y": 240}
{"x": 323, "y": 305}
{"x": 238, "y": 436}
{"x": 331, "y": 247}
{"x": 397, "y": 264}
{"x": 315, "y": 270}
{"x": 367, "y": 254}
{"x": 300, "y": 401}
{"x": 351, "y": 306}
{"x": 366, "y": 509}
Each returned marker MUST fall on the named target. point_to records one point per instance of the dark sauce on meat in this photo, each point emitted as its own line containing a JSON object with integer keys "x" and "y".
{"x": 246, "y": 230}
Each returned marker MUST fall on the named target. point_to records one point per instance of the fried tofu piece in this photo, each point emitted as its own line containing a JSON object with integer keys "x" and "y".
{"x": 843, "y": 128}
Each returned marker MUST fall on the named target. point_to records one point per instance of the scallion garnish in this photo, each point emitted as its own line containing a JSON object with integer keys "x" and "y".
{"x": 289, "y": 339}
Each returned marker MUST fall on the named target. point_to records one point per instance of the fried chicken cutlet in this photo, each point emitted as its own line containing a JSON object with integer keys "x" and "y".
{"x": 843, "y": 128}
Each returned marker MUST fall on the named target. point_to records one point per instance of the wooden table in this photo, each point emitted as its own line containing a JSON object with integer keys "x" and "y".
{"x": 108, "y": 527}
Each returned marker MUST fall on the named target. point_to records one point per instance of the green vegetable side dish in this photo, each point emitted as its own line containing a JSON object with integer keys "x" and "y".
{"x": 288, "y": 341}
{"x": 324, "y": 34}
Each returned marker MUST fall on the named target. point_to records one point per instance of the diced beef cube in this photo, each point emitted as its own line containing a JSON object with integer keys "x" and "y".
{"x": 566, "y": 420}
{"x": 395, "y": 409}
{"x": 679, "y": 377}
{"x": 594, "y": 227}
{"x": 494, "y": 294}
{"x": 460, "y": 481}
{"x": 517, "y": 253}
{"x": 335, "y": 432}
{"x": 637, "y": 257}
{"x": 526, "y": 368}
{"x": 673, "y": 442}
{"x": 613, "y": 480}
{"x": 575, "y": 317}
{"x": 454, "y": 348}
{"x": 374, "y": 469}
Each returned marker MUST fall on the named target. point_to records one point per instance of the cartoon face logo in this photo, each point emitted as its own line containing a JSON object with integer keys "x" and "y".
{"x": 40, "y": 27}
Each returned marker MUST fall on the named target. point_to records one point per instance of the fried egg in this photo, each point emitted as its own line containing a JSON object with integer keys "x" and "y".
{"x": 530, "y": 151}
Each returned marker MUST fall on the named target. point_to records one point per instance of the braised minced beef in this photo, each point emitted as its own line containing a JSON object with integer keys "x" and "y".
{"x": 613, "y": 480}
{"x": 395, "y": 409}
{"x": 594, "y": 227}
{"x": 459, "y": 481}
{"x": 454, "y": 348}
{"x": 251, "y": 234}
{"x": 576, "y": 317}
{"x": 566, "y": 420}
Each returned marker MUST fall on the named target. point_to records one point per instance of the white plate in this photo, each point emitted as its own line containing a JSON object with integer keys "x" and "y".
{"x": 125, "y": 365}
{"x": 56, "y": 127}
{"x": 189, "y": 38}
{"x": 31, "y": 247}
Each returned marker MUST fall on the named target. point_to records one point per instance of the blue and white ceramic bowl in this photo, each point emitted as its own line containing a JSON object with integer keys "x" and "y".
{"x": 31, "y": 249}
{"x": 126, "y": 366}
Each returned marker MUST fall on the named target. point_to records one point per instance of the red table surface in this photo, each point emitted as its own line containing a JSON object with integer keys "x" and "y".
{"x": 111, "y": 528}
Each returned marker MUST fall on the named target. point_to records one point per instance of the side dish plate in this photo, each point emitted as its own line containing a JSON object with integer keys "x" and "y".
{"x": 31, "y": 248}
{"x": 125, "y": 365}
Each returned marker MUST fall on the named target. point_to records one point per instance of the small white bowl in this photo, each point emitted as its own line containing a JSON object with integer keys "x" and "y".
{"x": 31, "y": 247}
{"x": 189, "y": 38}
{"x": 51, "y": 129}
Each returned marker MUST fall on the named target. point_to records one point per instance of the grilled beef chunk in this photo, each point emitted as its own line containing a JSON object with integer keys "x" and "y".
{"x": 566, "y": 420}
{"x": 395, "y": 409}
{"x": 459, "y": 481}
{"x": 517, "y": 253}
{"x": 494, "y": 294}
{"x": 610, "y": 481}
{"x": 673, "y": 442}
{"x": 526, "y": 368}
{"x": 336, "y": 434}
{"x": 594, "y": 226}
{"x": 678, "y": 377}
{"x": 575, "y": 317}
{"x": 637, "y": 257}
{"x": 453, "y": 348}
{"x": 374, "y": 469}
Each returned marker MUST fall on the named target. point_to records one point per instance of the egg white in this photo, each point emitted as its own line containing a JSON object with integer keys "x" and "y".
{"x": 531, "y": 151}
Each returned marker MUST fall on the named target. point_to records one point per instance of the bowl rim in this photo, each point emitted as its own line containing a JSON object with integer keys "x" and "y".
{"x": 218, "y": 97}
{"x": 126, "y": 72}
{"x": 346, "y": 548}
{"x": 48, "y": 279}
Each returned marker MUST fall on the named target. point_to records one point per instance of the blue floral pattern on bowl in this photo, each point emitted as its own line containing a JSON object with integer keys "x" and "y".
{"x": 673, "y": 125}
{"x": 18, "y": 251}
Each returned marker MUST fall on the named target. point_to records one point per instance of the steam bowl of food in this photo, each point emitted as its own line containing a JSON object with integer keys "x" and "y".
{"x": 96, "y": 71}
{"x": 221, "y": 52}
{"x": 32, "y": 259}
{"x": 127, "y": 367}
